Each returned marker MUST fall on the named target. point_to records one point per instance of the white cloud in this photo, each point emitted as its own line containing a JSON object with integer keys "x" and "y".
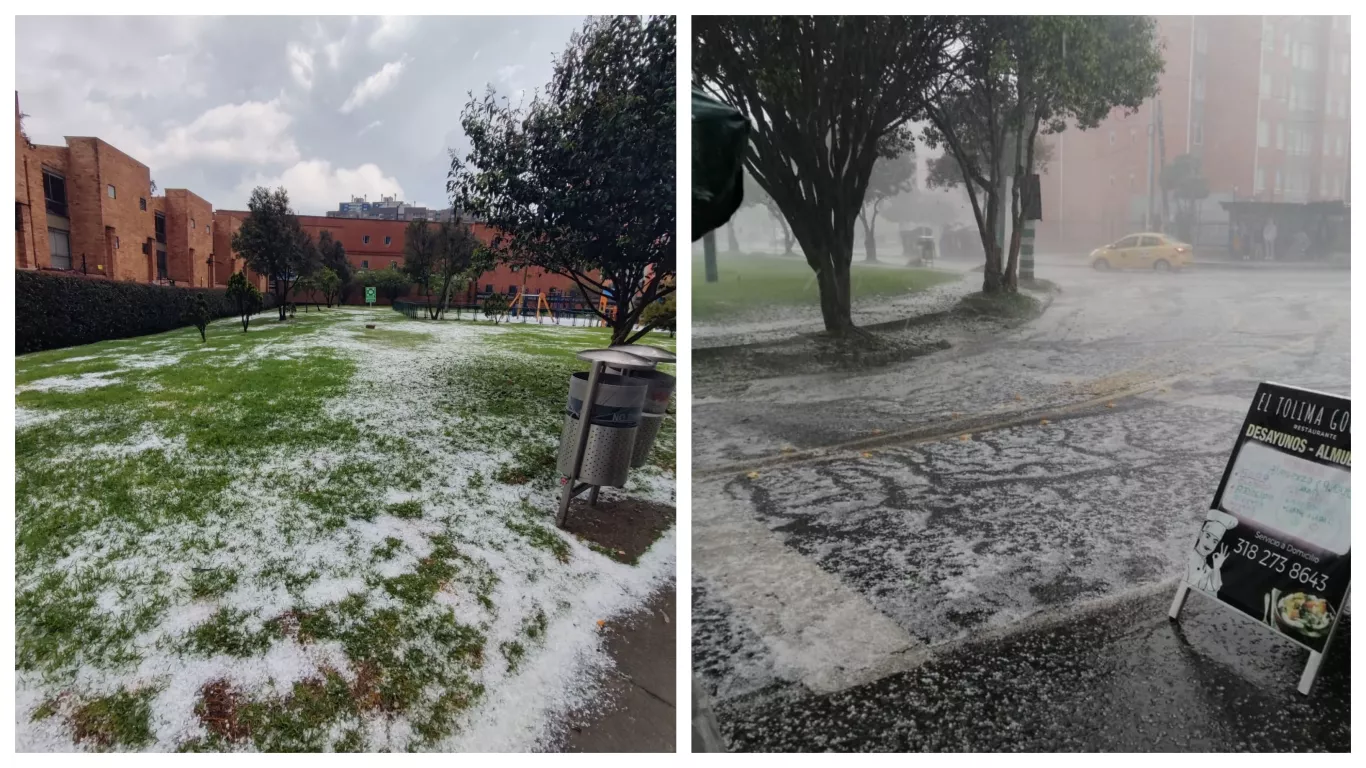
{"x": 374, "y": 86}
{"x": 315, "y": 187}
{"x": 476, "y": 56}
{"x": 334, "y": 51}
{"x": 391, "y": 30}
{"x": 254, "y": 132}
{"x": 369, "y": 127}
{"x": 300, "y": 65}
{"x": 505, "y": 74}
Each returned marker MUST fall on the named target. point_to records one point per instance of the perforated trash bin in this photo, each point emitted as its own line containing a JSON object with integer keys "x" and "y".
{"x": 645, "y": 438}
{"x": 614, "y": 420}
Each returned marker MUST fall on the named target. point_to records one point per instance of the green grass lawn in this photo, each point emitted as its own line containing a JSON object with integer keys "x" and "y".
{"x": 312, "y": 536}
{"x": 750, "y": 284}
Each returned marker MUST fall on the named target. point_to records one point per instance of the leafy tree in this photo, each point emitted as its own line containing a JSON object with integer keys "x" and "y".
{"x": 825, "y": 96}
{"x": 495, "y": 306}
{"x": 1183, "y": 179}
{"x": 199, "y": 316}
{"x": 326, "y": 282}
{"x": 661, "y": 314}
{"x": 272, "y": 243}
{"x": 891, "y": 177}
{"x": 581, "y": 182}
{"x": 333, "y": 256}
{"x": 389, "y": 282}
{"x": 420, "y": 248}
{"x": 1015, "y": 77}
{"x": 246, "y": 296}
{"x": 460, "y": 257}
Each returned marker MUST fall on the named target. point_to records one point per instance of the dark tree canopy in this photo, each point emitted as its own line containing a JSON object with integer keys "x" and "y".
{"x": 420, "y": 247}
{"x": 580, "y": 182}
{"x": 825, "y": 97}
{"x": 333, "y": 256}
{"x": 272, "y": 243}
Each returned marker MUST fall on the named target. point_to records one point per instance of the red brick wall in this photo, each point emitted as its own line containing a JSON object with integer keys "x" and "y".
{"x": 189, "y": 220}
{"x": 97, "y": 219}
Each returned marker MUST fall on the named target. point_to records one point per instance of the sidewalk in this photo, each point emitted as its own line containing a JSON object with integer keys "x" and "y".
{"x": 639, "y": 715}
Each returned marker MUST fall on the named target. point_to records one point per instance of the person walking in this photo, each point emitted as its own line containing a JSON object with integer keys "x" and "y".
{"x": 1269, "y": 238}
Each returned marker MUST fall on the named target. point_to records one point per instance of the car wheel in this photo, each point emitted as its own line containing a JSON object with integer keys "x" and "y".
{"x": 1101, "y": 265}
{"x": 1161, "y": 265}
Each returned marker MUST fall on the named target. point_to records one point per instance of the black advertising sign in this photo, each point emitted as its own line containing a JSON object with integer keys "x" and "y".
{"x": 1277, "y": 543}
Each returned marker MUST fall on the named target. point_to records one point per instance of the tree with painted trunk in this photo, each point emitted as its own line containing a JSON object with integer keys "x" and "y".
{"x": 825, "y": 97}
{"x": 1016, "y": 78}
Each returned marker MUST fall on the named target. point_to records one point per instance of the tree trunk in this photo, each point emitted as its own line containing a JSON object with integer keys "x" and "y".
{"x": 732, "y": 244}
{"x": 869, "y": 244}
{"x": 709, "y": 255}
{"x": 834, "y": 289}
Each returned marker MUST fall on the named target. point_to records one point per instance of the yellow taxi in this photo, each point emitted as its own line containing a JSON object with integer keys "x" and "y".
{"x": 1145, "y": 250}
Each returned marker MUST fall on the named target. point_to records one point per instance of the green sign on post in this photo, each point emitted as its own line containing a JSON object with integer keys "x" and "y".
{"x": 370, "y": 295}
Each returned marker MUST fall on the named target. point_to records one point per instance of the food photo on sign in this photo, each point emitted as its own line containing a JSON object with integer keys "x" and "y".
{"x": 1276, "y": 544}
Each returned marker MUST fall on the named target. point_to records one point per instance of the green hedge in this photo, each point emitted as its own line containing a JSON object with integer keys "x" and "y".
{"x": 56, "y": 310}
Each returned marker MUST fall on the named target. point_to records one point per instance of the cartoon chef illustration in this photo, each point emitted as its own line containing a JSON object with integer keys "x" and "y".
{"x": 1208, "y": 555}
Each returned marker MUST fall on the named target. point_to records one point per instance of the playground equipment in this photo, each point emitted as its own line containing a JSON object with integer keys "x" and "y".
{"x": 618, "y": 395}
{"x": 518, "y": 306}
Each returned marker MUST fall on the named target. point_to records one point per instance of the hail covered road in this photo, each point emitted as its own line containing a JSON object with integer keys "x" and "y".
{"x": 974, "y": 550}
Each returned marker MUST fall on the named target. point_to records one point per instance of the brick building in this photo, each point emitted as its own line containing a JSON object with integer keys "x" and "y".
{"x": 378, "y": 244}
{"x": 1263, "y": 102}
{"x": 88, "y": 207}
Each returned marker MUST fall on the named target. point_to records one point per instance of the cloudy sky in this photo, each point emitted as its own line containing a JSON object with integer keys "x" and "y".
{"x": 327, "y": 106}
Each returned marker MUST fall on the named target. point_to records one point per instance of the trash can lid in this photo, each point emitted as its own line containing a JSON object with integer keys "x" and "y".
{"x": 615, "y": 357}
{"x": 648, "y": 352}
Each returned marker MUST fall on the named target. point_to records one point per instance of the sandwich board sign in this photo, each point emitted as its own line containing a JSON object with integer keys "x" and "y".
{"x": 1276, "y": 543}
{"x": 370, "y": 295}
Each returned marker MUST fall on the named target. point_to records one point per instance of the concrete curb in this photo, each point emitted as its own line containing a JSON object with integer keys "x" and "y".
{"x": 706, "y": 735}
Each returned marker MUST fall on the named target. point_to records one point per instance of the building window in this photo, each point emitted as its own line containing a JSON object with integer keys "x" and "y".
{"x": 54, "y": 193}
{"x": 1285, "y": 49}
{"x": 1199, "y": 88}
{"x": 160, "y": 226}
{"x": 365, "y": 264}
{"x": 393, "y": 265}
{"x": 1266, "y": 85}
{"x": 59, "y": 248}
{"x": 1259, "y": 183}
{"x": 111, "y": 192}
{"x": 1261, "y": 133}
{"x": 365, "y": 239}
{"x": 488, "y": 288}
{"x": 142, "y": 203}
{"x": 387, "y": 240}
{"x": 1201, "y": 40}
{"x": 1112, "y": 138}
{"x": 1197, "y": 134}
{"x": 1280, "y": 180}
{"x": 1280, "y": 135}
{"x": 192, "y": 224}
{"x": 161, "y": 264}
{"x": 512, "y": 290}
{"x": 116, "y": 242}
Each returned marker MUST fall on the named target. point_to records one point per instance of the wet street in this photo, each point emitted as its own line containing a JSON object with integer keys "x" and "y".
{"x": 975, "y": 550}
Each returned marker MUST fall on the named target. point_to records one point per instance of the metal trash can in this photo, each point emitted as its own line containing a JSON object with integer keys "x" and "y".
{"x": 646, "y": 433}
{"x": 656, "y": 399}
{"x": 614, "y": 418}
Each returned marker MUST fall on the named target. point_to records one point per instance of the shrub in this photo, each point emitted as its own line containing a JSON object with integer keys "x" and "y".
{"x": 55, "y": 311}
{"x": 495, "y": 306}
{"x": 661, "y": 313}
{"x": 199, "y": 316}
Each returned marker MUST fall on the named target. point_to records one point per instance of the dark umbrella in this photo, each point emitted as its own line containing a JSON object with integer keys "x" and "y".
{"x": 719, "y": 136}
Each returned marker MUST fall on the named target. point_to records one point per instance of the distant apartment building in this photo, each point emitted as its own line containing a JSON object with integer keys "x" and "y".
{"x": 1264, "y": 103}
{"x": 389, "y": 208}
{"x": 88, "y": 207}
